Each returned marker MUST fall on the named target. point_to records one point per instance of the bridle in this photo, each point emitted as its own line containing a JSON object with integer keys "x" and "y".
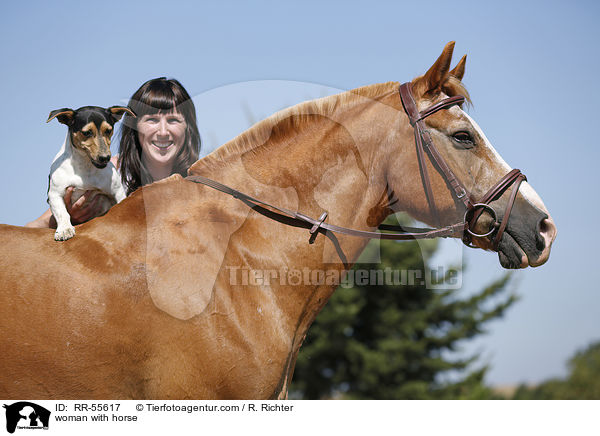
{"x": 424, "y": 144}
{"x": 474, "y": 209}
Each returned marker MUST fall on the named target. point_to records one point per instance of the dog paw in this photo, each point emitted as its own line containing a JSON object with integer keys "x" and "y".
{"x": 62, "y": 234}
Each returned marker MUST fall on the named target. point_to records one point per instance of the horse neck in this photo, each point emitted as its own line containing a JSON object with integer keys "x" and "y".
{"x": 310, "y": 163}
{"x": 312, "y": 160}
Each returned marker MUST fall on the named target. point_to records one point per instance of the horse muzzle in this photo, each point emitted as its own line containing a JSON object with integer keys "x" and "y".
{"x": 527, "y": 238}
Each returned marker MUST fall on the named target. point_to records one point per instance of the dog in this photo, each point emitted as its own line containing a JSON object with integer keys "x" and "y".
{"x": 83, "y": 162}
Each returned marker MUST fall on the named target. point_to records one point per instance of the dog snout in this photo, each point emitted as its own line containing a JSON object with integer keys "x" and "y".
{"x": 104, "y": 159}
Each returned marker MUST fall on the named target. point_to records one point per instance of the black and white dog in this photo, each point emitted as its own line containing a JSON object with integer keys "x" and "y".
{"x": 84, "y": 162}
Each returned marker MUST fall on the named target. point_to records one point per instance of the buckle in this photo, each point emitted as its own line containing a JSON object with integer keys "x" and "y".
{"x": 313, "y": 230}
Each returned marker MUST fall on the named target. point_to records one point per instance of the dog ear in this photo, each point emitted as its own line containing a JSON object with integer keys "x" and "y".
{"x": 64, "y": 115}
{"x": 118, "y": 111}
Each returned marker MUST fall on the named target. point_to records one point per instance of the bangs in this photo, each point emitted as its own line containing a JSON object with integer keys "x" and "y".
{"x": 159, "y": 96}
{"x": 158, "y": 99}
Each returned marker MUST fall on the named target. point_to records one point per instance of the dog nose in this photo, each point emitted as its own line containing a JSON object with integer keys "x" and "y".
{"x": 104, "y": 159}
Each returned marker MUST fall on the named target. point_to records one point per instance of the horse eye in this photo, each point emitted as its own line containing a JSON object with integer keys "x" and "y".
{"x": 464, "y": 138}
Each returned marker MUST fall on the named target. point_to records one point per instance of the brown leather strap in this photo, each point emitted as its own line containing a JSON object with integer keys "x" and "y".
{"x": 495, "y": 193}
{"x": 497, "y": 190}
{"x": 444, "y": 104}
{"x": 414, "y": 117}
{"x": 423, "y": 141}
{"x": 519, "y": 178}
{"x": 425, "y": 176}
{"x": 315, "y": 225}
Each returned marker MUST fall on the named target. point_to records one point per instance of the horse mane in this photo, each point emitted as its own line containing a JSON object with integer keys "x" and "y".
{"x": 295, "y": 117}
{"x": 292, "y": 119}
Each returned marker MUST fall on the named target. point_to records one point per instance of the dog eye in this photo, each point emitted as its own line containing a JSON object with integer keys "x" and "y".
{"x": 87, "y": 133}
{"x": 108, "y": 131}
{"x": 464, "y": 138}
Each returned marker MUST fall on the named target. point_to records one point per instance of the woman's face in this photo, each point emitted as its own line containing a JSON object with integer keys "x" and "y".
{"x": 161, "y": 136}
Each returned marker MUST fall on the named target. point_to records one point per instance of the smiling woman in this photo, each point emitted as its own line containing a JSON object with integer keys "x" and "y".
{"x": 163, "y": 139}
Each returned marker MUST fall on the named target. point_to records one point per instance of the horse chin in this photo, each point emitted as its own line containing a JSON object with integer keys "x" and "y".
{"x": 510, "y": 253}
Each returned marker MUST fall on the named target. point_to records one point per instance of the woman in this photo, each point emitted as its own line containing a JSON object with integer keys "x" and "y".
{"x": 162, "y": 140}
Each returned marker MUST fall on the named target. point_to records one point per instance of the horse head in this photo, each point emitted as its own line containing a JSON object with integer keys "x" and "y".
{"x": 527, "y": 230}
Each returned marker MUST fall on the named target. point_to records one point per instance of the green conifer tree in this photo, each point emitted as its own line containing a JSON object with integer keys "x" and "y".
{"x": 381, "y": 341}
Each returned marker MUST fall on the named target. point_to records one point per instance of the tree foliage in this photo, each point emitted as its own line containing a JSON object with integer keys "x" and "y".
{"x": 582, "y": 383}
{"x": 380, "y": 341}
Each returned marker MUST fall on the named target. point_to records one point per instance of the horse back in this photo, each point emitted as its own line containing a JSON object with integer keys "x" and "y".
{"x": 66, "y": 310}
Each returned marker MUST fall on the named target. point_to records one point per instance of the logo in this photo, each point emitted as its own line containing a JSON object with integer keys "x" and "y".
{"x": 25, "y": 415}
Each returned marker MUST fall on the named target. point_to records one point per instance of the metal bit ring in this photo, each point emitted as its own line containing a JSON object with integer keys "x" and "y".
{"x": 489, "y": 209}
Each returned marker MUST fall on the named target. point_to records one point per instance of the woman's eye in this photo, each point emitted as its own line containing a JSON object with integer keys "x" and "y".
{"x": 464, "y": 138}
{"x": 174, "y": 120}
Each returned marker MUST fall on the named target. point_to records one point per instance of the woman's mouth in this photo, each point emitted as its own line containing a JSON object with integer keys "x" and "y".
{"x": 162, "y": 145}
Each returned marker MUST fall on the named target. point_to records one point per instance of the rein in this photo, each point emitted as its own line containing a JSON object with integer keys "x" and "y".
{"x": 316, "y": 225}
{"x": 424, "y": 145}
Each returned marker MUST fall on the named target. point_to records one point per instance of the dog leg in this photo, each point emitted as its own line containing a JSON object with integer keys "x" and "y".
{"x": 117, "y": 189}
{"x": 64, "y": 229}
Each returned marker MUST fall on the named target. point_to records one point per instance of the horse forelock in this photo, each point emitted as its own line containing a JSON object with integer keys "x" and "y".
{"x": 288, "y": 121}
{"x": 451, "y": 87}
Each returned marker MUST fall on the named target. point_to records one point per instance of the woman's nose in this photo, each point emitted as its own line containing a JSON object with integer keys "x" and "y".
{"x": 162, "y": 128}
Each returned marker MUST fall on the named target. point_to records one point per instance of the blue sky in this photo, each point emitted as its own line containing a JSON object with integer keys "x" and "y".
{"x": 531, "y": 71}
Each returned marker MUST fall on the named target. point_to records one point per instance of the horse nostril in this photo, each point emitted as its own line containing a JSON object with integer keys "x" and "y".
{"x": 546, "y": 233}
{"x": 540, "y": 242}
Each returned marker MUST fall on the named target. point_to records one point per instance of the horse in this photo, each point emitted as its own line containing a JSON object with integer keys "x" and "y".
{"x": 183, "y": 292}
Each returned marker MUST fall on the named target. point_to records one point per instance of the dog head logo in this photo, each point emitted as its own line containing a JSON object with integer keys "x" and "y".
{"x": 26, "y": 415}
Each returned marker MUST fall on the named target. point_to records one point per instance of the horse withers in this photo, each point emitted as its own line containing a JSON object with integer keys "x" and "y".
{"x": 179, "y": 290}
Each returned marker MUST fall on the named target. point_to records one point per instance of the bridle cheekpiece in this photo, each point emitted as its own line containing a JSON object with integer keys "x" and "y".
{"x": 474, "y": 209}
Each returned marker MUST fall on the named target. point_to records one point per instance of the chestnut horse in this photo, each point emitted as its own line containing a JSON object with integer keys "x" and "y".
{"x": 181, "y": 291}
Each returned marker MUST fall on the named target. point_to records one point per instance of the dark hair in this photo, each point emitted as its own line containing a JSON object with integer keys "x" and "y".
{"x": 156, "y": 96}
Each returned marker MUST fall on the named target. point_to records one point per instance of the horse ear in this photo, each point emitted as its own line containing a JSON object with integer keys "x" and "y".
{"x": 459, "y": 69}
{"x": 435, "y": 78}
